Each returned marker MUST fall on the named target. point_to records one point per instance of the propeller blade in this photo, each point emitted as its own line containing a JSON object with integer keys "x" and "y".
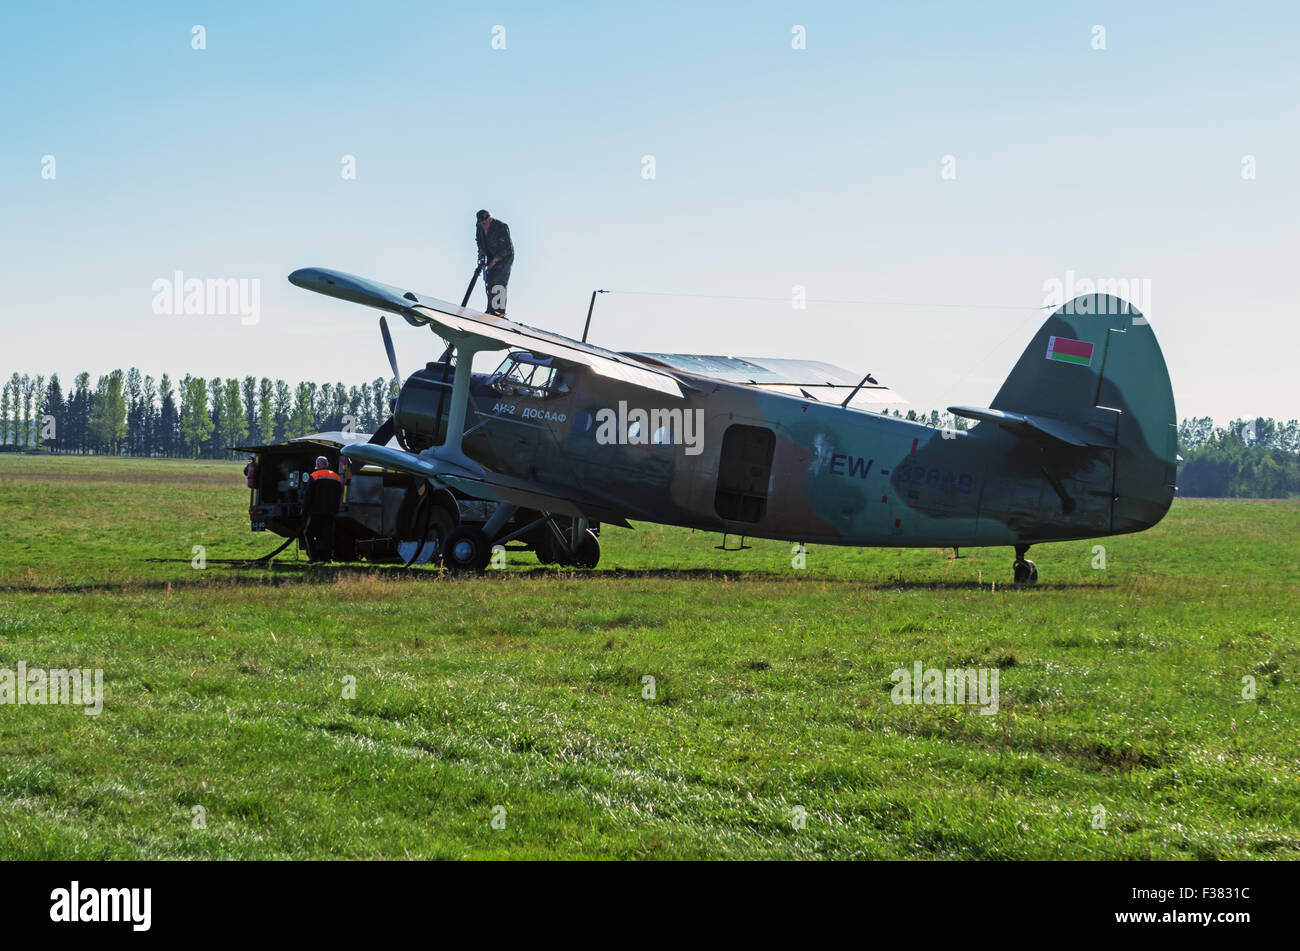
{"x": 382, "y": 434}
{"x": 388, "y": 346}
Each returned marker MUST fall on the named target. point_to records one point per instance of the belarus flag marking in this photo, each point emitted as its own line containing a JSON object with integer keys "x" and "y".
{"x": 1069, "y": 351}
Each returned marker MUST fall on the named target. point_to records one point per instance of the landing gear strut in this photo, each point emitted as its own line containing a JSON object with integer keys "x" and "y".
{"x": 1025, "y": 572}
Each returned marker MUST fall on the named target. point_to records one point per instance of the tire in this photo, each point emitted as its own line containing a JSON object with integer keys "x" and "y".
{"x": 1025, "y": 572}
{"x": 588, "y": 553}
{"x": 544, "y": 546}
{"x": 466, "y": 549}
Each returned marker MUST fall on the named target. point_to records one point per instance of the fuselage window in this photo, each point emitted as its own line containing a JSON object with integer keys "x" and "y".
{"x": 522, "y": 375}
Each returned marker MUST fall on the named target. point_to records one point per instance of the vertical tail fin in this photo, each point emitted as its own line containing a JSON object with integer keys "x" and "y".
{"x": 1095, "y": 363}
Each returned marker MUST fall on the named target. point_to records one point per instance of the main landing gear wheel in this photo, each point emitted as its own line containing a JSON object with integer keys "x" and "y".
{"x": 587, "y": 554}
{"x": 553, "y": 549}
{"x": 544, "y": 546}
{"x": 1024, "y": 571}
{"x": 466, "y": 549}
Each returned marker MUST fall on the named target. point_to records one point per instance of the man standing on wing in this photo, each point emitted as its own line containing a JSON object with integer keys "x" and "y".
{"x": 496, "y": 254}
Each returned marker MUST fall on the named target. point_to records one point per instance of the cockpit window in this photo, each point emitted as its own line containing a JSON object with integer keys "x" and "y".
{"x": 523, "y": 375}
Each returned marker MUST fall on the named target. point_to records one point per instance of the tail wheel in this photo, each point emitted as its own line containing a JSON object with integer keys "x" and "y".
{"x": 466, "y": 549}
{"x": 1025, "y": 572}
{"x": 587, "y": 554}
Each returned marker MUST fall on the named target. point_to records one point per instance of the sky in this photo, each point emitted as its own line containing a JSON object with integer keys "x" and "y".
{"x": 924, "y": 171}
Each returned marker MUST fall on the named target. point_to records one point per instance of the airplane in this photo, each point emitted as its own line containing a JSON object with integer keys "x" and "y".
{"x": 1079, "y": 442}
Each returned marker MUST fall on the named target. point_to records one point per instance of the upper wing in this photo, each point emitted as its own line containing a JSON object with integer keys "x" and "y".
{"x": 801, "y": 379}
{"x": 418, "y": 309}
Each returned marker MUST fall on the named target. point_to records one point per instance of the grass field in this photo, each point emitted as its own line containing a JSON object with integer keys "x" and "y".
{"x": 520, "y": 695}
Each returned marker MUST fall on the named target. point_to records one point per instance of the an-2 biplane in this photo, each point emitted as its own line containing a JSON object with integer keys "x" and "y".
{"x": 1079, "y": 442}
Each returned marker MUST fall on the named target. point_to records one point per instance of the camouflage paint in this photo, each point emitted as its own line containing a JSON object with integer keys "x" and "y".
{"x": 848, "y": 477}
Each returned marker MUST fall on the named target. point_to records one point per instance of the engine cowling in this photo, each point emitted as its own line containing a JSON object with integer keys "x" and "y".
{"x": 420, "y": 413}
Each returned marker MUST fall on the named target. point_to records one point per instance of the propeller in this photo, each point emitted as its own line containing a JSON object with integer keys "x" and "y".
{"x": 385, "y": 432}
{"x": 388, "y": 346}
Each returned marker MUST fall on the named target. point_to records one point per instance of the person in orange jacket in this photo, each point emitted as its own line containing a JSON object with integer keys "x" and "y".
{"x": 320, "y": 503}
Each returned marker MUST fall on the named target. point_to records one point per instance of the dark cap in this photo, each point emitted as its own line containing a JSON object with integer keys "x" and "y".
{"x": 482, "y": 214}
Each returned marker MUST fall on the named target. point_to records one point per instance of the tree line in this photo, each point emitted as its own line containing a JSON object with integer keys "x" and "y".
{"x": 1247, "y": 459}
{"x": 132, "y": 414}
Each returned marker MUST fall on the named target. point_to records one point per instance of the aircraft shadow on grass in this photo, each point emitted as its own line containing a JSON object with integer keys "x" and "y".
{"x": 239, "y": 573}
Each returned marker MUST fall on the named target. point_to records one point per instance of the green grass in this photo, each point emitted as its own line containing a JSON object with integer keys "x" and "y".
{"x": 1119, "y": 688}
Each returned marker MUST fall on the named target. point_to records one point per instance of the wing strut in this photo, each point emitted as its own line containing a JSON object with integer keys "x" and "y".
{"x": 451, "y": 452}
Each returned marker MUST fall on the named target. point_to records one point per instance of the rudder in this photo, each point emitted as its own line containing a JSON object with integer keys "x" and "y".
{"x": 1095, "y": 363}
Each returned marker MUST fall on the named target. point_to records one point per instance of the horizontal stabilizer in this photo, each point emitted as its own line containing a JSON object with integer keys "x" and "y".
{"x": 1024, "y": 424}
